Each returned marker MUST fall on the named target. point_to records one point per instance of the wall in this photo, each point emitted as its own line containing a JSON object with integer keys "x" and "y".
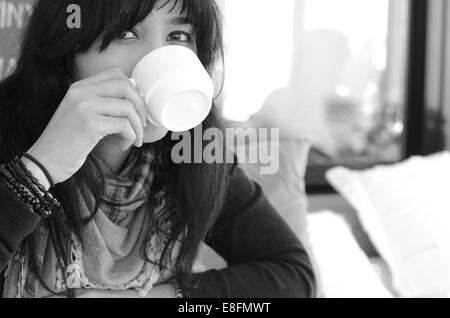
{"x": 437, "y": 97}
{"x": 12, "y": 15}
{"x": 446, "y": 66}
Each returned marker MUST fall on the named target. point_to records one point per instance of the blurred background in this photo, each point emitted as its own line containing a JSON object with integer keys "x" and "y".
{"x": 331, "y": 71}
{"x": 355, "y": 85}
{"x": 364, "y": 82}
{"x": 349, "y": 75}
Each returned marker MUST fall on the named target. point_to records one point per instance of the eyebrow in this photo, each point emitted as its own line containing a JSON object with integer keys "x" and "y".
{"x": 180, "y": 21}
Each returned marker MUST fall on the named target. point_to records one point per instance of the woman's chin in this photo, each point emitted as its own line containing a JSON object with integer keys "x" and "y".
{"x": 153, "y": 133}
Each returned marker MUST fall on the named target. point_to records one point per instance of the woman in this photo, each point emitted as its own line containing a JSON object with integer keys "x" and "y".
{"x": 129, "y": 221}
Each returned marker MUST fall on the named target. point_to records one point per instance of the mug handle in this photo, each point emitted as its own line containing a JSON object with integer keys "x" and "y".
{"x": 133, "y": 81}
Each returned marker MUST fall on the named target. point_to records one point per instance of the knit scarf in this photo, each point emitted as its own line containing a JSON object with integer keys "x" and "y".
{"x": 111, "y": 258}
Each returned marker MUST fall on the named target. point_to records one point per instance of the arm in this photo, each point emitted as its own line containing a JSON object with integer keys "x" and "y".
{"x": 161, "y": 291}
{"x": 16, "y": 220}
{"x": 265, "y": 257}
{"x": 16, "y": 223}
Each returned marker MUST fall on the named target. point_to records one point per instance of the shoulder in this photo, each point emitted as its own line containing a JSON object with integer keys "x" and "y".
{"x": 244, "y": 201}
{"x": 241, "y": 191}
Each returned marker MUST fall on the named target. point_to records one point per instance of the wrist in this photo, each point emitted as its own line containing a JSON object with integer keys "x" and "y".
{"x": 36, "y": 172}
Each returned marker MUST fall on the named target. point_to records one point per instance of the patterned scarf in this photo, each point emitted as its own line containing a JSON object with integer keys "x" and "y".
{"x": 111, "y": 257}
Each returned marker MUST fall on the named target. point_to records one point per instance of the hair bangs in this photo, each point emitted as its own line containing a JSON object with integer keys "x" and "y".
{"x": 197, "y": 11}
{"x": 122, "y": 16}
{"x": 106, "y": 20}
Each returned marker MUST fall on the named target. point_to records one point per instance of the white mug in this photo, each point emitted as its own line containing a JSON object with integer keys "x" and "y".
{"x": 177, "y": 89}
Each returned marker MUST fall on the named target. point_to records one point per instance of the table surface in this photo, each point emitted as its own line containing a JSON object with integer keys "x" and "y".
{"x": 335, "y": 203}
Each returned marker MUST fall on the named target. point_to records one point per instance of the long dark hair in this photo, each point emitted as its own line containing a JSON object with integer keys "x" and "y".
{"x": 30, "y": 96}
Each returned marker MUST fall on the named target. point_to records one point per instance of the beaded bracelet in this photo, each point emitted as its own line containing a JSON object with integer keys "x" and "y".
{"x": 19, "y": 179}
{"x": 47, "y": 199}
{"x": 37, "y": 163}
{"x": 18, "y": 173}
{"x": 47, "y": 194}
{"x": 8, "y": 180}
{"x": 21, "y": 193}
{"x": 40, "y": 207}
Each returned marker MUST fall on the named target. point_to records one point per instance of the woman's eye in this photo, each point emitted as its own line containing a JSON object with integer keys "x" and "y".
{"x": 129, "y": 35}
{"x": 180, "y": 36}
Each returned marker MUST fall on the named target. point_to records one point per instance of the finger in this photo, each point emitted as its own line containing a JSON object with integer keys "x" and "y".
{"x": 122, "y": 88}
{"x": 114, "y": 107}
{"x": 111, "y": 73}
{"x": 118, "y": 126}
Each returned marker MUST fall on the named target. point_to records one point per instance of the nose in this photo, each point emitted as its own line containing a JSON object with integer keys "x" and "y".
{"x": 155, "y": 44}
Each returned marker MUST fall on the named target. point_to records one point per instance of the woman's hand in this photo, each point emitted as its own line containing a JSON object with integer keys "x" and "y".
{"x": 161, "y": 291}
{"x": 102, "y": 105}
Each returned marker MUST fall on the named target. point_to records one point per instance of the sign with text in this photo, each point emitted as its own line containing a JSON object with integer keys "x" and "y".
{"x": 13, "y": 15}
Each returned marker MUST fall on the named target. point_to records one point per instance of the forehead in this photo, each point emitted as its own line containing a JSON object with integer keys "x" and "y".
{"x": 169, "y": 7}
{"x": 167, "y": 12}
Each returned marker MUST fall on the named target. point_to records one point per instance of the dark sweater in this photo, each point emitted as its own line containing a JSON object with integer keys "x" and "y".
{"x": 265, "y": 258}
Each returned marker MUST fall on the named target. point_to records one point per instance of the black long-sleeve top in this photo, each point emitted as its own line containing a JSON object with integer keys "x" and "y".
{"x": 264, "y": 256}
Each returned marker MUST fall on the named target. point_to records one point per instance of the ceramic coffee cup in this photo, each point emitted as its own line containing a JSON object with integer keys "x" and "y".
{"x": 177, "y": 89}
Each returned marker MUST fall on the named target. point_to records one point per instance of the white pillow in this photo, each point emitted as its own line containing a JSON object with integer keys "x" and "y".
{"x": 285, "y": 189}
{"x": 405, "y": 209}
{"x": 345, "y": 270}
